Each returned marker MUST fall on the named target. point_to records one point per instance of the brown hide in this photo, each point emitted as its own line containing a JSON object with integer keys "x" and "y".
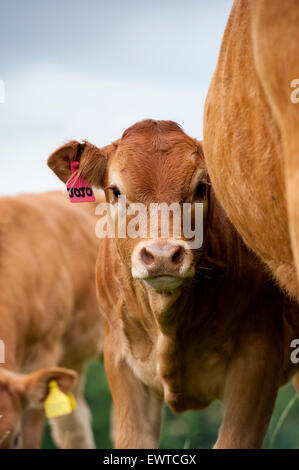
{"x": 251, "y": 132}
{"x": 48, "y": 307}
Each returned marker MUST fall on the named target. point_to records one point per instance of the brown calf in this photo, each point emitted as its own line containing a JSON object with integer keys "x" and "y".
{"x": 183, "y": 326}
{"x": 48, "y": 315}
{"x": 251, "y": 131}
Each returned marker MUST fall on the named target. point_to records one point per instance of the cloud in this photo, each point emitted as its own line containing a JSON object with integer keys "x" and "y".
{"x": 76, "y": 70}
{"x": 46, "y": 107}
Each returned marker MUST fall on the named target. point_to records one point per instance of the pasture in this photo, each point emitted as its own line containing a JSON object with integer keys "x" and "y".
{"x": 194, "y": 430}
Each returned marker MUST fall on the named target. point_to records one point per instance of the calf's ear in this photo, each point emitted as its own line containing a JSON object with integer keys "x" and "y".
{"x": 36, "y": 384}
{"x": 92, "y": 161}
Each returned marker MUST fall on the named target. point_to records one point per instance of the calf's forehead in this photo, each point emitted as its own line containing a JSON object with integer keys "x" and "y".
{"x": 148, "y": 168}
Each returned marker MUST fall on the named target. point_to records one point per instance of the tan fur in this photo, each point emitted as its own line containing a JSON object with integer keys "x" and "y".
{"x": 48, "y": 308}
{"x": 225, "y": 334}
{"x": 251, "y": 132}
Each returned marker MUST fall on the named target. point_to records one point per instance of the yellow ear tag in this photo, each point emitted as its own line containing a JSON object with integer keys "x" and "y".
{"x": 57, "y": 403}
{"x": 72, "y": 401}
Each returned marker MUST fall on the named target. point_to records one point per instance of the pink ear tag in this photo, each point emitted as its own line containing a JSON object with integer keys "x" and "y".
{"x": 77, "y": 188}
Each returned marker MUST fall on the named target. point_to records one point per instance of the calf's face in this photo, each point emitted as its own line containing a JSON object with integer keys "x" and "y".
{"x": 153, "y": 164}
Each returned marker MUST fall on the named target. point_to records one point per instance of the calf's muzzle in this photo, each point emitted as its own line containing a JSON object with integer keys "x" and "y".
{"x": 162, "y": 264}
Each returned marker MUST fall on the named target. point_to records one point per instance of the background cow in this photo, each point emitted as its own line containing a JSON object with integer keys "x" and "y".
{"x": 48, "y": 315}
{"x": 251, "y": 131}
{"x": 183, "y": 326}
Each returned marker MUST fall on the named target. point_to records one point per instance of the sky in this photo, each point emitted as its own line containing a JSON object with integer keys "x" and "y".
{"x": 89, "y": 69}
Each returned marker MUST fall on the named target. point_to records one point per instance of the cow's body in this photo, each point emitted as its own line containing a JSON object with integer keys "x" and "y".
{"x": 251, "y": 131}
{"x": 182, "y": 327}
{"x": 48, "y": 308}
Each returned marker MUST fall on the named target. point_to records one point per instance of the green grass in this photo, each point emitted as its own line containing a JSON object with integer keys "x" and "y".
{"x": 187, "y": 430}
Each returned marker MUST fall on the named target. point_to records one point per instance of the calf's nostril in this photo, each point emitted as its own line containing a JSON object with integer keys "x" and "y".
{"x": 146, "y": 256}
{"x": 178, "y": 256}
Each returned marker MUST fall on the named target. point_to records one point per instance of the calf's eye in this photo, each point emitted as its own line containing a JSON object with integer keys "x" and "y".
{"x": 200, "y": 191}
{"x": 115, "y": 192}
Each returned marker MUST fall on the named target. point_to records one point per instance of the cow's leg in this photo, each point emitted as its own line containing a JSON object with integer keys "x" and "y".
{"x": 138, "y": 410}
{"x": 112, "y": 425}
{"x": 249, "y": 396}
{"x": 74, "y": 431}
{"x": 32, "y": 428}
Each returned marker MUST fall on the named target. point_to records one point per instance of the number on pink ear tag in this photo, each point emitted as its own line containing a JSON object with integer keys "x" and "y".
{"x": 77, "y": 188}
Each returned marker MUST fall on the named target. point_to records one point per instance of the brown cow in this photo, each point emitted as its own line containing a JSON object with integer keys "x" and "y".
{"x": 184, "y": 327}
{"x": 48, "y": 315}
{"x": 251, "y": 131}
